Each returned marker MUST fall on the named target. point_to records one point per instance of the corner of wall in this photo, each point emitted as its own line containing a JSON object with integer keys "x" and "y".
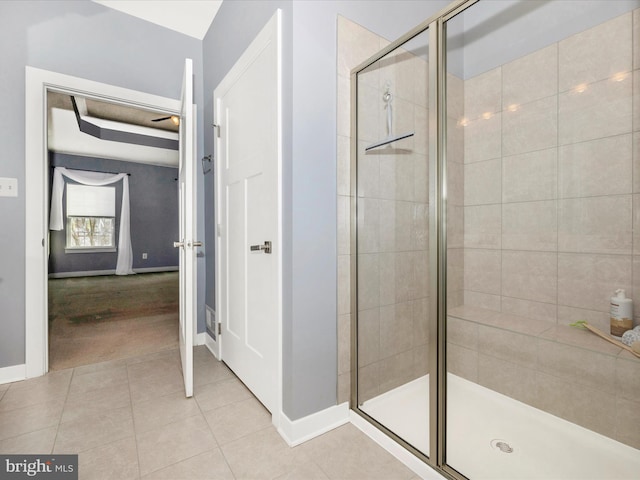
{"x": 295, "y": 432}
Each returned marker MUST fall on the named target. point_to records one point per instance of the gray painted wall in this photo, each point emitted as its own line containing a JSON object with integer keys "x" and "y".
{"x": 153, "y": 198}
{"x": 309, "y": 170}
{"x": 235, "y": 26}
{"x": 493, "y": 28}
{"x": 86, "y": 40}
{"x": 233, "y": 29}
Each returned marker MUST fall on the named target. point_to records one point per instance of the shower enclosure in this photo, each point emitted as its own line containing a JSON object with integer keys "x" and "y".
{"x": 494, "y": 191}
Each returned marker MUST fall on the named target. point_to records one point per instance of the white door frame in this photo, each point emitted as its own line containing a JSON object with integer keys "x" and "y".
{"x": 36, "y": 188}
{"x": 278, "y": 417}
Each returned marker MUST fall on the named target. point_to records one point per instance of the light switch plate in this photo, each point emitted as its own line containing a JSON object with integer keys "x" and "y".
{"x": 8, "y": 187}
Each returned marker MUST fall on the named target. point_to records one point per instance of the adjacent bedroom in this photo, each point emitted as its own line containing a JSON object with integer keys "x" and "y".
{"x": 113, "y": 217}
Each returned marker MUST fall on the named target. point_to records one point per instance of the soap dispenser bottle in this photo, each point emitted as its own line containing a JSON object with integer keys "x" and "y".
{"x": 621, "y": 315}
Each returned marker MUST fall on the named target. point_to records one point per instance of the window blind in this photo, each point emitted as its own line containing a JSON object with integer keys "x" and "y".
{"x": 88, "y": 201}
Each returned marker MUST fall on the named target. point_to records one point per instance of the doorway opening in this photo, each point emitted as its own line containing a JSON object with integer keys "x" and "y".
{"x": 94, "y": 314}
{"x": 38, "y": 84}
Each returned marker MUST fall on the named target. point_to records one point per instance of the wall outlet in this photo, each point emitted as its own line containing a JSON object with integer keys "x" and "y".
{"x": 8, "y": 187}
{"x": 144, "y": 256}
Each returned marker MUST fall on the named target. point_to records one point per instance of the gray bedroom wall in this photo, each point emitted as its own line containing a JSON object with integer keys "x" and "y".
{"x": 153, "y": 197}
{"x": 86, "y": 40}
{"x": 309, "y": 170}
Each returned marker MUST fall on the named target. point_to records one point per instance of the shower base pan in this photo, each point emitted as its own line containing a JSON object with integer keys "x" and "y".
{"x": 492, "y": 436}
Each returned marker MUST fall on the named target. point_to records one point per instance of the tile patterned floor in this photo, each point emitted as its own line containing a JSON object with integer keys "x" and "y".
{"x": 129, "y": 419}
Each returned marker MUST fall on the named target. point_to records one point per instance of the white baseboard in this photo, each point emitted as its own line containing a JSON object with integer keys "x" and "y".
{"x": 96, "y": 273}
{"x": 155, "y": 269}
{"x": 298, "y": 431}
{"x": 13, "y": 373}
{"x": 92, "y": 273}
{"x": 403, "y": 455}
{"x": 200, "y": 339}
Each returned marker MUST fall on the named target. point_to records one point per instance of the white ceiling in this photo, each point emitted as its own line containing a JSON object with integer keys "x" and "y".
{"x": 64, "y": 136}
{"x": 191, "y": 17}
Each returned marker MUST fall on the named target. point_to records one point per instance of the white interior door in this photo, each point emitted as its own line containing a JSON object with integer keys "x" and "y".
{"x": 247, "y": 110}
{"x": 187, "y": 243}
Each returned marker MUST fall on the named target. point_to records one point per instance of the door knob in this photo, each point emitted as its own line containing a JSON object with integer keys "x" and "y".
{"x": 178, "y": 244}
{"x": 197, "y": 244}
{"x": 266, "y": 247}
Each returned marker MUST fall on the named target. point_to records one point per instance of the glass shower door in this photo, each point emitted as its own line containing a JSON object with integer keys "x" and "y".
{"x": 541, "y": 193}
{"x": 392, "y": 203}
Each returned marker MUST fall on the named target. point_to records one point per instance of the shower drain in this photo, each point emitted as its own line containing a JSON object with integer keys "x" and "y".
{"x": 502, "y": 446}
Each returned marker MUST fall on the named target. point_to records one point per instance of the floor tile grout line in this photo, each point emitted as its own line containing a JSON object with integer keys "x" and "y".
{"x": 201, "y": 413}
{"x": 111, "y": 442}
{"x": 205, "y": 418}
{"x": 172, "y": 422}
{"x": 64, "y": 404}
{"x": 133, "y": 421}
{"x": 28, "y": 433}
{"x": 247, "y": 435}
{"x": 3, "y": 392}
{"x": 240, "y": 438}
{"x": 313, "y": 460}
{"x": 218, "y": 446}
{"x": 189, "y": 458}
{"x": 24, "y": 407}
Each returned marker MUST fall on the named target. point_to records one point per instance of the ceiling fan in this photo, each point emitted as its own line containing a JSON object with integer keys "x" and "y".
{"x": 174, "y": 118}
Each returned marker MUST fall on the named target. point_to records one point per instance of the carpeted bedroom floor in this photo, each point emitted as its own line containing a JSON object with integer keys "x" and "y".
{"x": 95, "y": 319}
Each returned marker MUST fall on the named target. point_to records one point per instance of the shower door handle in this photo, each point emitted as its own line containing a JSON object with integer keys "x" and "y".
{"x": 266, "y": 247}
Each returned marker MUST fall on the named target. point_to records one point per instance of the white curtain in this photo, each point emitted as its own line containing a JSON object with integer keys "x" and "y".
{"x": 124, "y": 264}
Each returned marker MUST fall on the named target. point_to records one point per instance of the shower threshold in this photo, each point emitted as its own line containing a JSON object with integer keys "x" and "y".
{"x": 493, "y": 436}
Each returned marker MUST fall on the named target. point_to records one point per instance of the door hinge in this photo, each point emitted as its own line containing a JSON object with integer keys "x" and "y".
{"x": 217, "y": 127}
{"x": 219, "y": 329}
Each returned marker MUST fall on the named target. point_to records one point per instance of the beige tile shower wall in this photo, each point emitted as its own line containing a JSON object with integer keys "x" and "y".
{"x": 455, "y": 194}
{"x": 393, "y": 217}
{"x": 551, "y": 215}
{"x": 551, "y": 164}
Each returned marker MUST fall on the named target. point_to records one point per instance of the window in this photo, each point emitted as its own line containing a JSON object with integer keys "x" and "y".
{"x": 90, "y": 218}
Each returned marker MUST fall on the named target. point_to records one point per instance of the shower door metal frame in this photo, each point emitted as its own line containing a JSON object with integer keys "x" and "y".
{"x": 437, "y": 237}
